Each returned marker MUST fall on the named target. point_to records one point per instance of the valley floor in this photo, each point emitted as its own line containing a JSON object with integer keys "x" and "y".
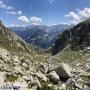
{"x": 32, "y": 71}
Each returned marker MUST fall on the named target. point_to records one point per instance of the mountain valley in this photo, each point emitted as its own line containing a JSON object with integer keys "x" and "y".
{"x": 40, "y": 35}
{"x": 24, "y": 66}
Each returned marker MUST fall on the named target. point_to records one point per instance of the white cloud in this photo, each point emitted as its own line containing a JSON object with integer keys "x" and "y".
{"x": 3, "y": 5}
{"x": 79, "y": 15}
{"x": 32, "y": 20}
{"x": 73, "y": 15}
{"x": 51, "y": 1}
{"x": 84, "y": 13}
{"x": 14, "y": 13}
{"x": 24, "y": 19}
{"x": 35, "y": 20}
{"x": 10, "y": 8}
{"x": 11, "y": 12}
{"x": 19, "y": 12}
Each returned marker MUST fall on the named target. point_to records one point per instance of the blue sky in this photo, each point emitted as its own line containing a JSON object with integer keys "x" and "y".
{"x": 46, "y": 12}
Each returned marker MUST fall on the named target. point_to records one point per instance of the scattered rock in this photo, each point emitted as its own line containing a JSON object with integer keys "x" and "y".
{"x": 18, "y": 70}
{"x": 78, "y": 86}
{"x": 26, "y": 78}
{"x": 63, "y": 86}
{"x": 74, "y": 84}
{"x": 2, "y": 75}
{"x": 86, "y": 87}
{"x": 41, "y": 76}
{"x": 87, "y": 67}
{"x": 54, "y": 87}
{"x": 35, "y": 84}
{"x": 43, "y": 68}
{"x": 20, "y": 85}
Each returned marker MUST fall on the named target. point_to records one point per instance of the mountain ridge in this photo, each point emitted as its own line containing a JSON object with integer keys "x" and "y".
{"x": 41, "y": 35}
{"x": 10, "y": 39}
{"x": 77, "y": 37}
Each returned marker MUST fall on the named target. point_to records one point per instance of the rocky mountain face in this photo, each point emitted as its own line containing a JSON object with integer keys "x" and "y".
{"x": 10, "y": 40}
{"x": 42, "y": 36}
{"x": 77, "y": 37}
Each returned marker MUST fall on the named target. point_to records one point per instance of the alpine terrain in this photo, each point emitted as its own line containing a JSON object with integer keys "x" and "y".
{"x": 24, "y": 66}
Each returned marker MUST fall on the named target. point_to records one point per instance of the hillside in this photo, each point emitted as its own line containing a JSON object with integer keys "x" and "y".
{"x": 13, "y": 43}
{"x": 10, "y": 40}
{"x": 73, "y": 47}
{"x": 77, "y": 37}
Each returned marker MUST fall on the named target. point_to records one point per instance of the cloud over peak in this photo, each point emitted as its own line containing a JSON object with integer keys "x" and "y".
{"x": 24, "y": 19}
{"x": 78, "y": 15}
{"x": 32, "y": 20}
{"x": 35, "y": 20}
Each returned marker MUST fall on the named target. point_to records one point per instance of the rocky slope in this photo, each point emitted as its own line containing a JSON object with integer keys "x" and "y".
{"x": 10, "y": 40}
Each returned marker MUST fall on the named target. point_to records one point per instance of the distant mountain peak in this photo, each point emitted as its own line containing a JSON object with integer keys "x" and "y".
{"x": 40, "y": 35}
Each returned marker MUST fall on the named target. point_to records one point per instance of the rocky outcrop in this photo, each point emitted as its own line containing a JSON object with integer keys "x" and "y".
{"x": 10, "y": 40}
{"x": 77, "y": 37}
{"x": 61, "y": 41}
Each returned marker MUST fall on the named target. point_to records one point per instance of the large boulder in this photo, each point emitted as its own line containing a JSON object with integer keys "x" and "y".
{"x": 53, "y": 77}
{"x": 62, "y": 70}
